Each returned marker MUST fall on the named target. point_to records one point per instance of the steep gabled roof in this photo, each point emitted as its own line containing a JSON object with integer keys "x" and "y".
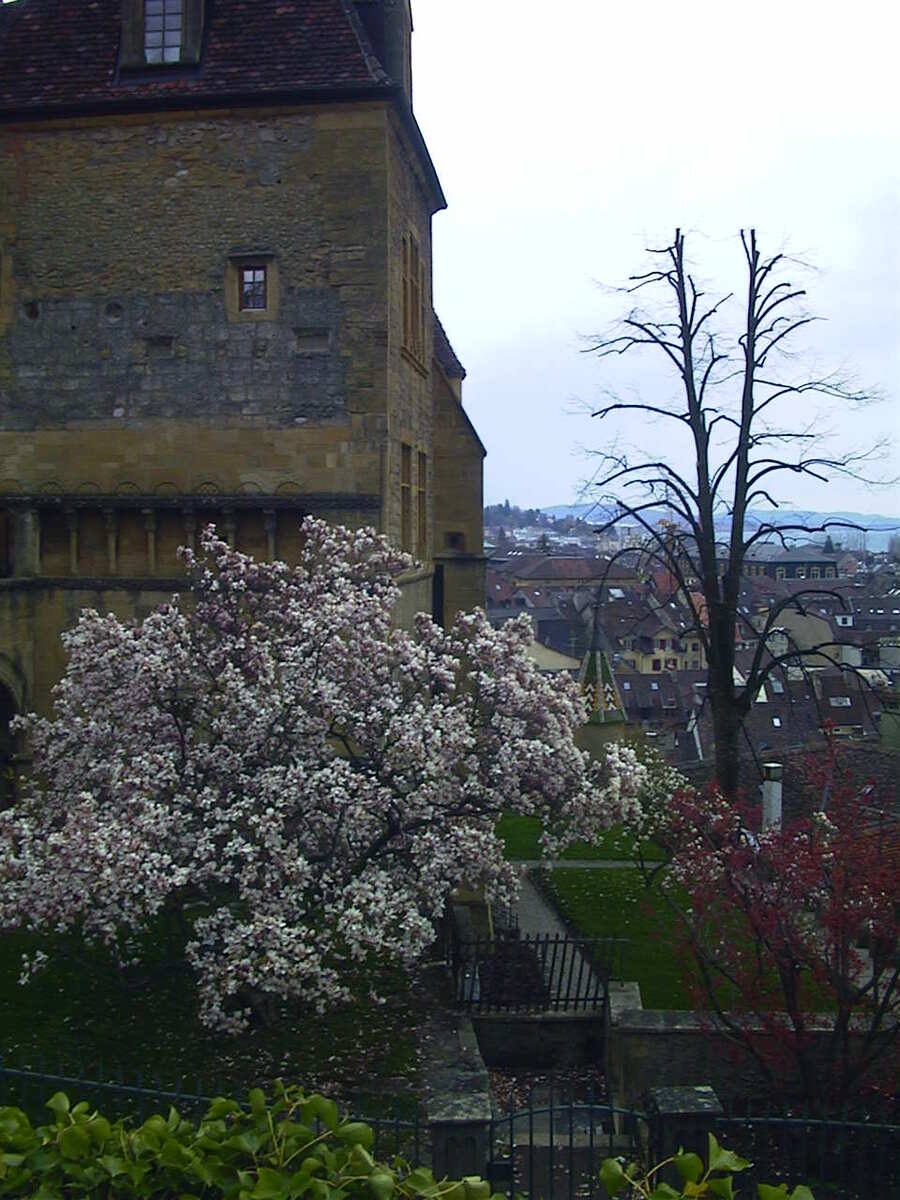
{"x": 444, "y": 353}
{"x": 65, "y": 54}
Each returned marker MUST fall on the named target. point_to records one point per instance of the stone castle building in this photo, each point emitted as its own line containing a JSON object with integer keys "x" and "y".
{"x": 215, "y": 304}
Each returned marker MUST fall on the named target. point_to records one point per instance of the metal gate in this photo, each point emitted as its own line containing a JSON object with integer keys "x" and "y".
{"x": 554, "y": 1151}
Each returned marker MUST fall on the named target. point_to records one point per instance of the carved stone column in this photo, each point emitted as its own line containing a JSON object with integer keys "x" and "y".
{"x": 270, "y": 520}
{"x": 190, "y": 528}
{"x": 111, "y": 520}
{"x": 150, "y": 528}
{"x": 72, "y": 523}
{"x": 26, "y": 548}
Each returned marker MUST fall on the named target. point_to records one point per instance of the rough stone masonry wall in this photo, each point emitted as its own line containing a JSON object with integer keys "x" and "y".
{"x": 409, "y": 382}
{"x": 116, "y": 240}
{"x": 125, "y": 368}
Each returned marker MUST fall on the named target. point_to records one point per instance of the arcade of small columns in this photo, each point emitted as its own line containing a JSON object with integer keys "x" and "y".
{"x": 110, "y": 537}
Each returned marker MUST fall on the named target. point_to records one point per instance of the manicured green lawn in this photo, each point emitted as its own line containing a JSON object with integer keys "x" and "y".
{"x": 521, "y": 836}
{"x": 79, "y": 1010}
{"x": 615, "y": 903}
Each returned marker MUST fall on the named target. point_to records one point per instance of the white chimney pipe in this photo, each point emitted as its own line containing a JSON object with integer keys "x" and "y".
{"x": 771, "y": 796}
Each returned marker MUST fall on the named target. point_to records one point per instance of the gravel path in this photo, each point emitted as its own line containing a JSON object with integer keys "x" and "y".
{"x": 537, "y": 917}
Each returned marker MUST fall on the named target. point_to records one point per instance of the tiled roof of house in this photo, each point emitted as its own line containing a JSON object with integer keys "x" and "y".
{"x": 65, "y": 54}
{"x": 444, "y": 353}
{"x": 550, "y": 567}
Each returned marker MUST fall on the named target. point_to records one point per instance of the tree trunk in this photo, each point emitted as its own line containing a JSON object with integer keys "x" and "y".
{"x": 727, "y": 732}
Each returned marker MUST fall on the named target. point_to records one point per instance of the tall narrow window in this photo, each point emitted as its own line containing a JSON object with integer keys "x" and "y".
{"x": 422, "y": 508}
{"x": 405, "y": 496}
{"x": 414, "y": 293}
{"x": 162, "y": 31}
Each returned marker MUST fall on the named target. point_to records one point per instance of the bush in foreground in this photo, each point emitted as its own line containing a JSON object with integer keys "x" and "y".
{"x": 716, "y": 1178}
{"x": 296, "y": 1146}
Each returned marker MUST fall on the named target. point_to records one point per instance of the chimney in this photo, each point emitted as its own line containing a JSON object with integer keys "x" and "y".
{"x": 771, "y": 796}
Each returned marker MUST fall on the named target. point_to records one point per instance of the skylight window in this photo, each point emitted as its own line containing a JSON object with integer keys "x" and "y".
{"x": 162, "y": 31}
{"x": 839, "y": 701}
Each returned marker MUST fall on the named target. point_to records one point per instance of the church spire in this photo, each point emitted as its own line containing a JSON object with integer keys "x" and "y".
{"x": 596, "y": 676}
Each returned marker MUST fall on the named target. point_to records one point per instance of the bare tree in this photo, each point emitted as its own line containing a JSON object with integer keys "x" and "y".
{"x": 729, "y": 398}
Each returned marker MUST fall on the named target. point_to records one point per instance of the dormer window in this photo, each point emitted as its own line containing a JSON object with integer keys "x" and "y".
{"x": 158, "y": 33}
{"x": 162, "y": 31}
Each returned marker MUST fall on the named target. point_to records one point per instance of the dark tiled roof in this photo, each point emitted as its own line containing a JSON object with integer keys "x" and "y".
{"x": 444, "y": 353}
{"x": 64, "y": 53}
{"x": 550, "y": 568}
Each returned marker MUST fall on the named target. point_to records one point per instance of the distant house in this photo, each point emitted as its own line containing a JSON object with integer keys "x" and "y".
{"x": 794, "y": 562}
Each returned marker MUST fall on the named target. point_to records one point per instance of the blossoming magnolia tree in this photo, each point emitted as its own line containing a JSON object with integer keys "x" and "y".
{"x": 303, "y": 783}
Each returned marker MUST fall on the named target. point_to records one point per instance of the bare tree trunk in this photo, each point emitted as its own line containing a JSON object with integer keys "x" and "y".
{"x": 725, "y": 417}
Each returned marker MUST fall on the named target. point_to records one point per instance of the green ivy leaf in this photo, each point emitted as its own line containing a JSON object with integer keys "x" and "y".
{"x": 689, "y": 1167}
{"x": 724, "y": 1160}
{"x": 767, "y": 1192}
{"x": 664, "y": 1191}
{"x": 221, "y": 1107}
{"x": 257, "y": 1102}
{"x": 722, "y": 1187}
{"x": 299, "y": 1184}
{"x": 270, "y": 1185}
{"x": 381, "y": 1184}
{"x": 612, "y": 1176}
{"x": 113, "y": 1165}
{"x": 476, "y": 1188}
{"x": 46, "y": 1192}
{"x": 802, "y": 1192}
{"x": 419, "y": 1179}
{"x": 58, "y": 1103}
{"x": 361, "y": 1160}
{"x": 325, "y": 1110}
{"x": 173, "y": 1154}
{"x": 74, "y": 1143}
{"x": 357, "y": 1133}
{"x": 99, "y": 1129}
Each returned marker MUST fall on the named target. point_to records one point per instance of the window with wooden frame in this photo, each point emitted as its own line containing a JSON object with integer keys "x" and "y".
{"x": 252, "y": 293}
{"x": 414, "y": 297}
{"x": 252, "y": 286}
{"x": 405, "y": 496}
{"x": 422, "y": 508}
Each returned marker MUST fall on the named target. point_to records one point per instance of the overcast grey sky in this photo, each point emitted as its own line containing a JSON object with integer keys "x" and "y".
{"x": 569, "y": 135}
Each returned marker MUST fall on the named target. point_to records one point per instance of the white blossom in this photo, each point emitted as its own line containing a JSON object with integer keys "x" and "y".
{"x": 305, "y": 782}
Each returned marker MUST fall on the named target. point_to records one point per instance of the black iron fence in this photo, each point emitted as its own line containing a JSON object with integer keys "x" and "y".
{"x": 836, "y": 1159}
{"x": 535, "y": 972}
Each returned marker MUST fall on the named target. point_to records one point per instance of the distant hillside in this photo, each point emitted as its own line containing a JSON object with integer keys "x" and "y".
{"x": 874, "y": 527}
